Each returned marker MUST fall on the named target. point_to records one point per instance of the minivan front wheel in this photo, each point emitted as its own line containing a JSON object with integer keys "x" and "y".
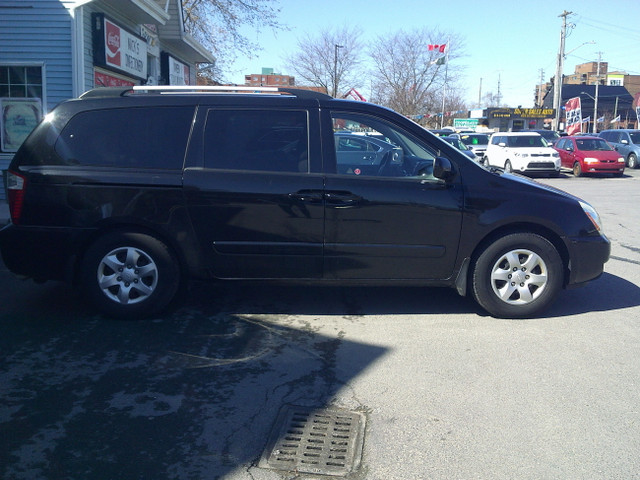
{"x": 130, "y": 275}
{"x": 632, "y": 161}
{"x": 517, "y": 276}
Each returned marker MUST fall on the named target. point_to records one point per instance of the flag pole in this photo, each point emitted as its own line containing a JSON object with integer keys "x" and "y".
{"x": 444, "y": 86}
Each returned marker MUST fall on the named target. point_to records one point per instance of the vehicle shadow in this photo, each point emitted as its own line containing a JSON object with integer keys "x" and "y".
{"x": 193, "y": 394}
{"x": 607, "y": 293}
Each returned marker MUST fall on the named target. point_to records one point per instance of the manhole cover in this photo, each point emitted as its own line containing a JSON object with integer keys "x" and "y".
{"x": 323, "y": 441}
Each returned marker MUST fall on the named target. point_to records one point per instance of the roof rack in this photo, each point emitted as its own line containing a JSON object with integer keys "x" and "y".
{"x": 197, "y": 89}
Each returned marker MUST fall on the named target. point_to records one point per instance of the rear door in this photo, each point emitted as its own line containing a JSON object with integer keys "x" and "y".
{"x": 255, "y": 194}
{"x": 397, "y": 222}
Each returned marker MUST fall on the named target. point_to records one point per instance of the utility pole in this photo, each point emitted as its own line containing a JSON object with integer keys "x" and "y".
{"x": 499, "y": 96}
{"x": 595, "y": 101}
{"x": 557, "y": 87}
{"x": 335, "y": 69}
{"x": 539, "y": 99}
{"x": 480, "y": 94}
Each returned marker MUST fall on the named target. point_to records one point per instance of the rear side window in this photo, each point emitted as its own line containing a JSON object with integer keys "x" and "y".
{"x": 261, "y": 140}
{"x": 127, "y": 137}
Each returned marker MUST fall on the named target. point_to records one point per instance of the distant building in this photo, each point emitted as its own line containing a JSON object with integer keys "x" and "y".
{"x": 269, "y": 79}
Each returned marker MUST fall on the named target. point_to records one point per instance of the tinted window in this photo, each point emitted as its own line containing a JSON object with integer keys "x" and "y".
{"x": 264, "y": 140}
{"x": 526, "y": 141}
{"x": 392, "y": 151}
{"x": 635, "y": 137}
{"x": 127, "y": 137}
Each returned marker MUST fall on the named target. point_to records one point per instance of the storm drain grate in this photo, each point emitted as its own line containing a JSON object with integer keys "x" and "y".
{"x": 323, "y": 441}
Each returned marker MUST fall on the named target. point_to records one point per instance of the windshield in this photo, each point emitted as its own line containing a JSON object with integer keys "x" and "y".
{"x": 592, "y": 145}
{"x": 475, "y": 139}
{"x": 526, "y": 141}
{"x": 635, "y": 137}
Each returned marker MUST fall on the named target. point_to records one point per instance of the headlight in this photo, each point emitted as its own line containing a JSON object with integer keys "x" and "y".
{"x": 523, "y": 155}
{"x": 590, "y": 160}
{"x": 620, "y": 160}
{"x": 555, "y": 154}
{"x": 593, "y": 215}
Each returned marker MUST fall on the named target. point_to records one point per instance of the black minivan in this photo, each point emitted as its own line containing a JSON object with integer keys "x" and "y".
{"x": 128, "y": 193}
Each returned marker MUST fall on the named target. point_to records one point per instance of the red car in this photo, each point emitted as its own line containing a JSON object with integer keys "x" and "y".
{"x": 586, "y": 154}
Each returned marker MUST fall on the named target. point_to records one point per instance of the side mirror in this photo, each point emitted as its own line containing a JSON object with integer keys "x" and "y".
{"x": 569, "y": 149}
{"x": 502, "y": 144}
{"x": 624, "y": 141}
{"x": 442, "y": 168}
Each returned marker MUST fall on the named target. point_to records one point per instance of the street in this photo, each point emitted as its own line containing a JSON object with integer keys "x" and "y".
{"x": 447, "y": 391}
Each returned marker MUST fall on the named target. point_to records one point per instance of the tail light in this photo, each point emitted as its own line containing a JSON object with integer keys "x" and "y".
{"x": 16, "y": 186}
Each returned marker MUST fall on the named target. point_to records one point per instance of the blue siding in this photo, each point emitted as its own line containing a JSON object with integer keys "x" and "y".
{"x": 39, "y": 31}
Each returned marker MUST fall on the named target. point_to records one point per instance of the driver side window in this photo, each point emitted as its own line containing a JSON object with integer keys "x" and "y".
{"x": 371, "y": 147}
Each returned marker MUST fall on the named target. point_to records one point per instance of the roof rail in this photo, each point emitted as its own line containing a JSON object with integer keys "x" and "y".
{"x": 198, "y": 89}
{"x": 106, "y": 92}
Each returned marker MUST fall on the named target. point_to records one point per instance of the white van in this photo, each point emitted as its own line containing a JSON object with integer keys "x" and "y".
{"x": 524, "y": 152}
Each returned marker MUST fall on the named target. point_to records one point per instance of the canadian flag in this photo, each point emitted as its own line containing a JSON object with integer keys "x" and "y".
{"x": 440, "y": 48}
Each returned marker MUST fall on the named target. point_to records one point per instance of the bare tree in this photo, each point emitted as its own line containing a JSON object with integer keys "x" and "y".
{"x": 217, "y": 25}
{"x": 329, "y": 60}
{"x": 408, "y": 76}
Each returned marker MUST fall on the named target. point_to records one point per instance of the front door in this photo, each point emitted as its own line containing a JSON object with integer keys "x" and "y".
{"x": 395, "y": 221}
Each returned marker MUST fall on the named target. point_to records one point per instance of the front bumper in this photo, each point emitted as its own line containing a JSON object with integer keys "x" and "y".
{"x": 588, "y": 256}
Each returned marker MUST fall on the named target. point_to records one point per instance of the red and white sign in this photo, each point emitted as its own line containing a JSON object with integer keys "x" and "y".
{"x": 124, "y": 51}
{"x": 178, "y": 72}
{"x": 573, "y": 112}
{"x": 101, "y": 79}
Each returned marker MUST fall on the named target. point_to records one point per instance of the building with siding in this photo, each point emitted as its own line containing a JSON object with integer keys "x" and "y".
{"x": 53, "y": 50}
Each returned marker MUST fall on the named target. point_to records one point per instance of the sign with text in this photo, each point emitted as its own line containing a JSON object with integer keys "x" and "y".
{"x": 173, "y": 71}
{"x": 573, "y": 111}
{"x": 19, "y": 117}
{"x": 118, "y": 49}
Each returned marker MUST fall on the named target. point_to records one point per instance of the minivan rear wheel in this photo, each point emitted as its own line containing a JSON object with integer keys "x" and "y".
{"x": 632, "y": 161}
{"x": 517, "y": 276}
{"x": 130, "y": 275}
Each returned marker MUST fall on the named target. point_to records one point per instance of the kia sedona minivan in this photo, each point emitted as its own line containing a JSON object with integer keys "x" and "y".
{"x": 129, "y": 193}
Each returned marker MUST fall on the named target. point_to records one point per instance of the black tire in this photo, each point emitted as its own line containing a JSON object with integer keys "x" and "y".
{"x": 632, "y": 161}
{"x": 129, "y": 275}
{"x": 577, "y": 169}
{"x": 507, "y": 167}
{"x": 517, "y": 276}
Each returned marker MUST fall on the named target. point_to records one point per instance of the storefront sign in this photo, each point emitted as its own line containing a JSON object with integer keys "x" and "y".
{"x": 173, "y": 71}
{"x": 118, "y": 49}
{"x": 103, "y": 79}
{"x": 19, "y": 117}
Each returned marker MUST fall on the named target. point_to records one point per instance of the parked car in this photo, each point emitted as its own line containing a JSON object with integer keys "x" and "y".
{"x": 551, "y": 136}
{"x": 128, "y": 193}
{"x": 589, "y": 154}
{"x": 625, "y": 141}
{"x": 477, "y": 142}
{"x": 456, "y": 142}
{"x": 524, "y": 152}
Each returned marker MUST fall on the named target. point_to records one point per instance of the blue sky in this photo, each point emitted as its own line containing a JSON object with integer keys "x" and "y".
{"x": 506, "y": 41}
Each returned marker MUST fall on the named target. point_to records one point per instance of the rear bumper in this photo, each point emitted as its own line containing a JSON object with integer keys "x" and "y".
{"x": 39, "y": 253}
{"x": 588, "y": 256}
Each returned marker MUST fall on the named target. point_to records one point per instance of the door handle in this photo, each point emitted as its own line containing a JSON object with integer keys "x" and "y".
{"x": 342, "y": 199}
{"x": 307, "y": 196}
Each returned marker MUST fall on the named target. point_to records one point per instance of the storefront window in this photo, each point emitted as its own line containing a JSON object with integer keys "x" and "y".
{"x": 20, "y": 81}
{"x": 20, "y": 104}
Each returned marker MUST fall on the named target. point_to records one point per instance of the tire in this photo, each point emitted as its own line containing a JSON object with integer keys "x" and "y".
{"x": 577, "y": 169}
{"x": 130, "y": 275}
{"x": 632, "y": 161}
{"x": 517, "y": 276}
{"x": 507, "y": 167}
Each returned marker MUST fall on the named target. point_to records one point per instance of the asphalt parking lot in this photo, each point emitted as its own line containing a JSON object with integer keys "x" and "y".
{"x": 447, "y": 391}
